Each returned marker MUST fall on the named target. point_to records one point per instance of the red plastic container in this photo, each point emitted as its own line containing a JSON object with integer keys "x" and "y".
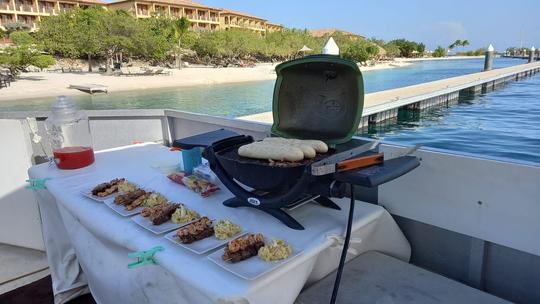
{"x": 73, "y": 157}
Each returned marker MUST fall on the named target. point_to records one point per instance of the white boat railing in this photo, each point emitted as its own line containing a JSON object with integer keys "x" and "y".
{"x": 486, "y": 198}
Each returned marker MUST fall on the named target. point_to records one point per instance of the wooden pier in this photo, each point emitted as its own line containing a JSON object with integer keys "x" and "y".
{"x": 385, "y": 105}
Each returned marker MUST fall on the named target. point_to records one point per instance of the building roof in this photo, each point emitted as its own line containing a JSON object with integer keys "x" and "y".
{"x": 188, "y": 3}
{"x": 237, "y": 13}
{"x": 93, "y": 2}
{"x": 330, "y": 31}
{"x": 274, "y": 24}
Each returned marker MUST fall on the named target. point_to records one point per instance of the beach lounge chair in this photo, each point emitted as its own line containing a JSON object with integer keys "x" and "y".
{"x": 124, "y": 72}
{"x": 162, "y": 72}
{"x": 4, "y": 81}
{"x": 146, "y": 73}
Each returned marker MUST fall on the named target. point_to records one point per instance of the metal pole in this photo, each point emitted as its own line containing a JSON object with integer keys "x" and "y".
{"x": 488, "y": 62}
{"x": 531, "y": 54}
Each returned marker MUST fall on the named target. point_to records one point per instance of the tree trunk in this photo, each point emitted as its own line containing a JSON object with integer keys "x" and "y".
{"x": 89, "y": 62}
{"x": 179, "y": 56}
{"x": 109, "y": 61}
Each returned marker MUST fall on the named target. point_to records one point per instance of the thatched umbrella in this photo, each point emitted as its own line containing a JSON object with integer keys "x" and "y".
{"x": 304, "y": 50}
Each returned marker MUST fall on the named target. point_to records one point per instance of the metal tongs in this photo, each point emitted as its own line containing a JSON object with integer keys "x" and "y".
{"x": 329, "y": 164}
{"x": 344, "y": 161}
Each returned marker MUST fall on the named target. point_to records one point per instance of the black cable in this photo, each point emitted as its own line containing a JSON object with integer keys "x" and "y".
{"x": 345, "y": 248}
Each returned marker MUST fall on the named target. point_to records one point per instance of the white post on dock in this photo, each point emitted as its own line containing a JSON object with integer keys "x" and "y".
{"x": 531, "y": 54}
{"x": 330, "y": 48}
{"x": 488, "y": 62}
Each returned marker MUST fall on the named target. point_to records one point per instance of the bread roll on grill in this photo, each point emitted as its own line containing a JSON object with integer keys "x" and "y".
{"x": 271, "y": 150}
{"x": 318, "y": 145}
{"x": 308, "y": 150}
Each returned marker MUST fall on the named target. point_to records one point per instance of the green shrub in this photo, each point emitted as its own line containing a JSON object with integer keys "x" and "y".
{"x": 43, "y": 61}
{"x": 439, "y": 52}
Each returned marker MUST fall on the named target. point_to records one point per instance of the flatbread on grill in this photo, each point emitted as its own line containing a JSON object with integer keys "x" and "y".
{"x": 271, "y": 150}
{"x": 318, "y": 145}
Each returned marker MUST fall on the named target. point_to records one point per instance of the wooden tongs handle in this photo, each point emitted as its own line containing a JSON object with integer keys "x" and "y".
{"x": 360, "y": 162}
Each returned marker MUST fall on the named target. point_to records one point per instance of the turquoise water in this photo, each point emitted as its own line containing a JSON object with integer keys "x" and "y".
{"x": 240, "y": 99}
{"x": 502, "y": 123}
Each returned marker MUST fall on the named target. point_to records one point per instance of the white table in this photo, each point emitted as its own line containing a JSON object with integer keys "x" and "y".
{"x": 80, "y": 231}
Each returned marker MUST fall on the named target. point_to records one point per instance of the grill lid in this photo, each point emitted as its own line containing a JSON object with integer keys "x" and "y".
{"x": 318, "y": 97}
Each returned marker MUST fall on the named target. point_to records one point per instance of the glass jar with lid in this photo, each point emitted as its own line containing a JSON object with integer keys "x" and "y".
{"x": 69, "y": 134}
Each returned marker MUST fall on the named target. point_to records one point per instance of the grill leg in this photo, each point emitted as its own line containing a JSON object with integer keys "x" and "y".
{"x": 326, "y": 202}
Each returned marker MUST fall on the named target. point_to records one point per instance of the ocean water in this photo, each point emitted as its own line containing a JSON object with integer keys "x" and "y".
{"x": 503, "y": 123}
{"x": 239, "y": 99}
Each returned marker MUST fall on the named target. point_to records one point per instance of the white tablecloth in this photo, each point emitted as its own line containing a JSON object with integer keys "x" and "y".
{"x": 80, "y": 231}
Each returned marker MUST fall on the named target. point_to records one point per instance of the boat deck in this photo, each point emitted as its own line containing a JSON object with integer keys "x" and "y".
{"x": 20, "y": 266}
{"x": 377, "y": 278}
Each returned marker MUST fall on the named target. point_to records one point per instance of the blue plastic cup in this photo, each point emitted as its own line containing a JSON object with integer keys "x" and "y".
{"x": 190, "y": 159}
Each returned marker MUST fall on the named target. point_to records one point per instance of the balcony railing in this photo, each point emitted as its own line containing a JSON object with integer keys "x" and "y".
{"x": 201, "y": 18}
{"x": 26, "y": 8}
{"x": 48, "y": 10}
{"x": 4, "y": 6}
{"x": 30, "y": 24}
{"x": 66, "y": 8}
{"x": 5, "y": 21}
{"x": 142, "y": 12}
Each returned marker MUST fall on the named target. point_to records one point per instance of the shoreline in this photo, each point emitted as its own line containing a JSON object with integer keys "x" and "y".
{"x": 400, "y": 59}
{"x": 44, "y": 84}
{"x": 35, "y": 85}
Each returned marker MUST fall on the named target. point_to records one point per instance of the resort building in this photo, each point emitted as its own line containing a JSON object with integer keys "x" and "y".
{"x": 28, "y": 12}
{"x": 233, "y": 19}
{"x": 201, "y": 17}
{"x": 273, "y": 27}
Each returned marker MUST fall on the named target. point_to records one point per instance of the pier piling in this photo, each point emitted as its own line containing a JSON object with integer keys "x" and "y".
{"x": 488, "y": 63}
{"x": 531, "y": 54}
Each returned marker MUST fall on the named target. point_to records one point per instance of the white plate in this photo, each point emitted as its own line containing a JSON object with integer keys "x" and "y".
{"x": 252, "y": 268}
{"x": 88, "y": 193}
{"x": 204, "y": 245}
{"x": 121, "y": 209}
{"x": 157, "y": 229}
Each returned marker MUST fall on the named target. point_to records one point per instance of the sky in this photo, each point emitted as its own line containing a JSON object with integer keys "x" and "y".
{"x": 500, "y": 22}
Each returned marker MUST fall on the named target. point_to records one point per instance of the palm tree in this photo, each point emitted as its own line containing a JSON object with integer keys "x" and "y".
{"x": 464, "y": 43}
{"x": 455, "y": 44}
{"x": 180, "y": 27}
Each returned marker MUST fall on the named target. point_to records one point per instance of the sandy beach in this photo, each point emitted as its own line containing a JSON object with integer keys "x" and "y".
{"x": 47, "y": 84}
